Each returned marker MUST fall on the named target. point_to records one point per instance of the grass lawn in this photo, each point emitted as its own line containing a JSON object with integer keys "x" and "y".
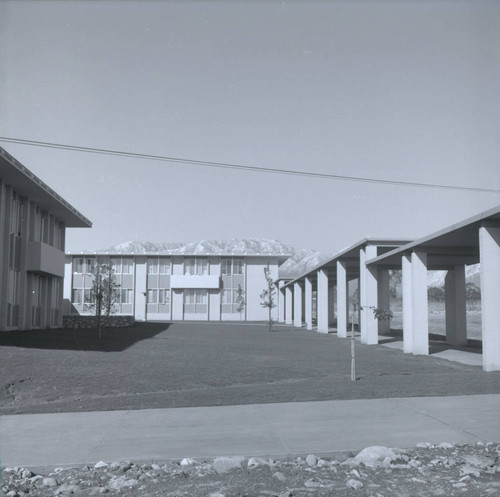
{"x": 199, "y": 364}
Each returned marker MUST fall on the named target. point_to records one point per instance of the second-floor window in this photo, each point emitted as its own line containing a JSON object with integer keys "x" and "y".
{"x": 196, "y": 266}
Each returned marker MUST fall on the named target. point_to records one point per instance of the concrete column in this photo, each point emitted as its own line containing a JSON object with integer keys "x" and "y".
{"x": 384, "y": 298}
{"x": 342, "y": 301}
{"x": 281, "y": 305}
{"x": 420, "y": 312}
{"x": 489, "y": 249}
{"x": 308, "y": 302}
{"x": 297, "y": 305}
{"x": 368, "y": 296}
{"x": 288, "y": 305}
{"x": 407, "y": 305}
{"x": 331, "y": 306}
{"x": 322, "y": 301}
{"x": 456, "y": 316}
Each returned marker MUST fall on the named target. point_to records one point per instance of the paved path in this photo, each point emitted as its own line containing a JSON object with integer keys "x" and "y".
{"x": 35, "y": 440}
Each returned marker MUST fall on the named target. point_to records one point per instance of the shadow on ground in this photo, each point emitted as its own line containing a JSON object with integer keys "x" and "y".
{"x": 437, "y": 343}
{"x": 113, "y": 339}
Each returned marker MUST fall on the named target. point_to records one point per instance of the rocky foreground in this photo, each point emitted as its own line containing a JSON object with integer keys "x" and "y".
{"x": 428, "y": 470}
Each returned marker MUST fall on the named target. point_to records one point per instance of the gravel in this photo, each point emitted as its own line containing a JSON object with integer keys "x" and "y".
{"x": 429, "y": 470}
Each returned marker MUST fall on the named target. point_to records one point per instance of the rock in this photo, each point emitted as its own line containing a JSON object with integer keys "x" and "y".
{"x": 479, "y": 461}
{"x": 67, "y": 489}
{"x": 26, "y": 474}
{"x": 125, "y": 466}
{"x": 155, "y": 467}
{"x": 216, "y": 494}
{"x": 493, "y": 484}
{"x": 313, "y": 484}
{"x": 253, "y": 462}
{"x": 464, "y": 479}
{"x": 354, "y": 484}
{"x": 36, "y": 478}
{"x": 119, "y": 482}
{"x": 49, "y": 482}
{"x": 375, "y": 455}
{"x": 355, "y": 473}
{"x": 469, "y": 470}
{"x": 100, "y": 464}
{"x": 188, "y": 462}
{"x": 446, "y": 445}
{"x": 423, "y": 445}
{"x": 279, "y": 476}
{"x": 311, "y": 460}
{"x": 11, "y": 493}
{"x": 224, "y": 464}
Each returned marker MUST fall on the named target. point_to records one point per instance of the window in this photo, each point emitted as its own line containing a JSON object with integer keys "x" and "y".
{"x": 126, "y": 296}
{"x": 78, "y": 265}
{"x": 237, "y": 266}
{"x": 195, "y": 301}
{"x": 226, "y": 266}
{"x": 226, "y": 297}
{"x": 196, "y": 266}
{"x": 90, "y": 265}
{"x": 116, "y": 265}
{"x": 165, "y": 266}
{"x": 152, "y": 296}
{"x": 87, "y": 296}
{"x": 189, "y": 296}
{"x": 153, "y": 266}
{"x": 200, "y": 296}
{"x": 127, "y": 264}
{"x": 163, "y": 296}
{"x": 77, "y": 296}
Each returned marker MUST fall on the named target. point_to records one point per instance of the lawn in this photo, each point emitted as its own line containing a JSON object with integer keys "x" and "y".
{"x": 200, "y": 364}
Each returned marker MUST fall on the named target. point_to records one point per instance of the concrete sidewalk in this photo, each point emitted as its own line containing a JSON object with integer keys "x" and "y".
{"x": 35, "y": 440}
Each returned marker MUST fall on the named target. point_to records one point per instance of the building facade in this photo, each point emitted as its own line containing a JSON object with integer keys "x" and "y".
{"x": 173, "y": 287}
{"x": 33, "y": 222}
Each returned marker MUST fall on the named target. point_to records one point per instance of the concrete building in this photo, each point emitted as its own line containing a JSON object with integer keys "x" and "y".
{"x": 169, "y": 286}
{"x": 33, "y": 222}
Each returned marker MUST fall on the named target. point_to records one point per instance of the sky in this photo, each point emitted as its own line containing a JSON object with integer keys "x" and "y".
{"x": 397, "y": 90}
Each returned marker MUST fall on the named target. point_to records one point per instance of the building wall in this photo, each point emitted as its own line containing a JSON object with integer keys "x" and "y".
{"x": 176, "y": 287}
{"x": 31, "y": 263}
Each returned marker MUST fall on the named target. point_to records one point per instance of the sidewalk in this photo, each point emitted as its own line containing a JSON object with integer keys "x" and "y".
{"x": 35, "y": 440}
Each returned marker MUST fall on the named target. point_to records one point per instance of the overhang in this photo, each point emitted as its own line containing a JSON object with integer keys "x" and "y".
{"x": 350, "y": 256}
{"x": 453, "y": 245}
{"x": 27, "y": 184}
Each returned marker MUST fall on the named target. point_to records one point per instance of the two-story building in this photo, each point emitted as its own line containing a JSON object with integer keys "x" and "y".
{"x": 168, "y": 286}
{"x": 33, "y": 222}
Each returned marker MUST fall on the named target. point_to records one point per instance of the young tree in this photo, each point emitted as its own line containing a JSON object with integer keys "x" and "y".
{"x": 267, "y": 297}
{"x": 240, "y": 300}
{"x": 104, "y": 292}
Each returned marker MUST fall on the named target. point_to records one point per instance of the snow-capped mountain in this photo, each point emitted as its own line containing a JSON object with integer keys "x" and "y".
{"x": 300, "y": 261}
{"x": 436, "y": 278}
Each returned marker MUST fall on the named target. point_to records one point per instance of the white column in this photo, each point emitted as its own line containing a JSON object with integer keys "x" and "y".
{"x": 407, "y": 305}
{"x": 420, "y": 312}
{"x": 342, "y": 302}
{"x": 456, "y": 316}
{"x": 322, "y": 301}
{"x": 368, "y": 296}
{"x": 288, "y": 305}
{"x": 308, "y": 302}
{"x": 331, "y": 305}
{"x": 297, "y": 305}
{"x": 281, "y": 305}
{"x": 384, "y": 299}
{"x": 489, "y": 249}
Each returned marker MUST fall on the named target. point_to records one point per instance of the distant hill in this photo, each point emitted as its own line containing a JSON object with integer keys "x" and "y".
{"x": 300, "y": 261}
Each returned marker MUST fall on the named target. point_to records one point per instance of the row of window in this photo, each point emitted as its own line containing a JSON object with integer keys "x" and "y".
{"x": 192, "y": 266}
{"x": 84, "y": 296}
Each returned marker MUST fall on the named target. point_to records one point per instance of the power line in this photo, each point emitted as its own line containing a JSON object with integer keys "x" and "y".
{"x": 225, "y": 165}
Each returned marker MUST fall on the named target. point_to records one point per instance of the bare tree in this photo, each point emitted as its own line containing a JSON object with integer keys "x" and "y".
{"x": 267, "y": 296}
{"x": 240, "y": 300}
{"x": 104, "y": 292}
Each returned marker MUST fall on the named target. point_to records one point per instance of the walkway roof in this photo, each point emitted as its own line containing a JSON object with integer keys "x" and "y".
{"x": 456, "y": 244}
{"x": 350, "y": 256}
{"x": 12, "y": 172}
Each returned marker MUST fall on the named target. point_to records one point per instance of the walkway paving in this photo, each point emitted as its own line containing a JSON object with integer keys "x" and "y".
{"x": 36, "y": 440}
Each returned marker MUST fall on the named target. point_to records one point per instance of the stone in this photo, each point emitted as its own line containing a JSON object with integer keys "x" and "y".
{"x": 469, "y": 470}
{"x": 446, "y": 445}
{"x": 49, "y": 482}
{"x": 479, "y": 461}
{"x": 375, "y": 455}
{"x": 117, "y": 483}
{"x": 313, "y": 484}
{"x": 311, "y": 460}
{"x": 188, "y": 462}
{"x": 224, "y": 464}
{"x": 67, "y": 489}
{"x": 11, "y": 493}
{"x": 155, "y": 467}
{"x": 279, "y": 476}
{"x": 354, "y": 484}
{"x": 216, "y": 494}
{"x": 26, "y": 474}
{"x": 355, "y": 473}
{"x": 253, "y": 462}
{"x": 100, "y": 464}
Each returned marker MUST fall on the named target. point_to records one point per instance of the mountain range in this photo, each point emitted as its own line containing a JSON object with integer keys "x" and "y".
{"x": 299, "y": 262}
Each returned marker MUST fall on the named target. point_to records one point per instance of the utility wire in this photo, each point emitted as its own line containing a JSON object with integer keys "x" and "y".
{"x": 225, "y": 165}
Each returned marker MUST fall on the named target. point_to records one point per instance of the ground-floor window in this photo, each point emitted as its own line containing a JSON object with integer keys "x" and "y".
{"x": 195, "y": 301}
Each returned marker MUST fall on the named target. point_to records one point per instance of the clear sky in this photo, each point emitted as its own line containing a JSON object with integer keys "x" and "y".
{"x": 401, "y": 90}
